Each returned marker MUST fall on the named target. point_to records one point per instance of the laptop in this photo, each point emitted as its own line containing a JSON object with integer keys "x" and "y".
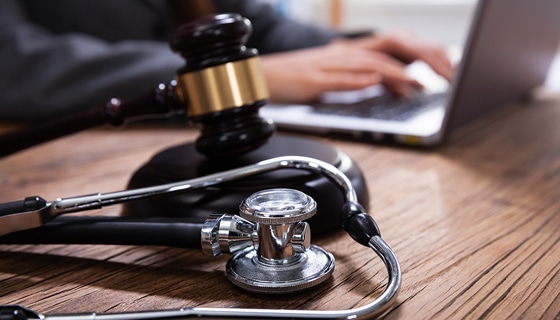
{"x": 508, "y": 52}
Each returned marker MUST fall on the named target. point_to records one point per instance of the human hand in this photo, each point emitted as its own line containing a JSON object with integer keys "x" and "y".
{"x": 407, "y": 47}
{"x": 303, "y": 75}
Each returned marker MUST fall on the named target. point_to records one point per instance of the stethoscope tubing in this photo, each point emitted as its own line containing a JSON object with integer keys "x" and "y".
{"x": 358, "y": 228}
{"x": 374, "y": 309}
{"x": 179, "y": 232}
{"x": 175, "y": 232}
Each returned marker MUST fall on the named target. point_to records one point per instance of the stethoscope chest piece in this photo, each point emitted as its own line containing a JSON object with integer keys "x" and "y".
{"x": 282, "y": 259}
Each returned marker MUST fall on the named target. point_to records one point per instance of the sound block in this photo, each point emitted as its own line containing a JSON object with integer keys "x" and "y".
{"x": 183, "y": 162}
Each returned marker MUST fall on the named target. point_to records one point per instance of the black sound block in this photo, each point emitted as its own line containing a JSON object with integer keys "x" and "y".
{"x": 183, "y": 162}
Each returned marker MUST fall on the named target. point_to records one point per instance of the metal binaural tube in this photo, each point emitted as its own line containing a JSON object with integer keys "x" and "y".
{"x": 96, "y": 201}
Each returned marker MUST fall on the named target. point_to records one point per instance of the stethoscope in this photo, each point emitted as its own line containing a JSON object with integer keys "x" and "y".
{"x": 269, "y": 241}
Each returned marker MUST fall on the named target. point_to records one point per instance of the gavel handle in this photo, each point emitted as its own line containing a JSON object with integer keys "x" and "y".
{"x": 161, "y": 101}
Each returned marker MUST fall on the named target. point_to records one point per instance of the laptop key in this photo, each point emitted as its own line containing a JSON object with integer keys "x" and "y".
{"x": 383, "y": 107}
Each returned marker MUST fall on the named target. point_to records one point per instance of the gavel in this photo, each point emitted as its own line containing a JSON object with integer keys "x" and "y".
{"x": 220, "y": 88}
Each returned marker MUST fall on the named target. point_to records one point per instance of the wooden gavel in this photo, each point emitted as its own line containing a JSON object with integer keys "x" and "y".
{"x": 221, "y": 88}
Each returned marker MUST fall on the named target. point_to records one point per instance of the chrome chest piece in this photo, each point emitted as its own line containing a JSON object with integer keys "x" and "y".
{"x": 270, "y": 243}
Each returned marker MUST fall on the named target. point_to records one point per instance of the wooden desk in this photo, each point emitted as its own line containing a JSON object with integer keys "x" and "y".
{"x": 475, "y": 224}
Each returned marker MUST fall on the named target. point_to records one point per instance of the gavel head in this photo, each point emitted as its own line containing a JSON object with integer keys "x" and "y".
{"x": 222, "y": 84}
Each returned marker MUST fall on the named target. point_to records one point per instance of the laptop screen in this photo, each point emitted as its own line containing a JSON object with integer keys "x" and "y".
{"x": 508, "y": 53}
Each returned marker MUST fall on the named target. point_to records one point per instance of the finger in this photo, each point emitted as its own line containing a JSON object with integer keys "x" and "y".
{"x": 393, "y": 71}
{"x": 440, "y": 63}
{"x": 370, "y": 62}
{"x": 342, "y": 81}
{"x": 407, "y": 48}
{"x": 402, "y": 88}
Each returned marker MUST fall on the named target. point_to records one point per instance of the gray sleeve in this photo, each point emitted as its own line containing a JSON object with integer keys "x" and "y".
{"x": 272, "y": 33}
{"x": 45, "y": 75}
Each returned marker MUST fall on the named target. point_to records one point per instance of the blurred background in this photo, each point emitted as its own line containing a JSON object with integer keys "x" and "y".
{"x": 445, "y": 21}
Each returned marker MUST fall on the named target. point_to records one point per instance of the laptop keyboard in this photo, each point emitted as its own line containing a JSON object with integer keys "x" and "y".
{"x": 384, "y": 107}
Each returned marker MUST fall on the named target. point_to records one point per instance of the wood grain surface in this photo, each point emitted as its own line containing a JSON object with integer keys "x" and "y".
{"x": 475, "y": 225}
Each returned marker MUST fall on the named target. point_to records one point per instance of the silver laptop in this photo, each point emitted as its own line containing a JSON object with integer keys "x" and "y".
{"x": 508, "y": 52}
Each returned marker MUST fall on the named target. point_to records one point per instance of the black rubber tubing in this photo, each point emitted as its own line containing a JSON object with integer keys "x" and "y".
{"x": 154, "y": 231}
